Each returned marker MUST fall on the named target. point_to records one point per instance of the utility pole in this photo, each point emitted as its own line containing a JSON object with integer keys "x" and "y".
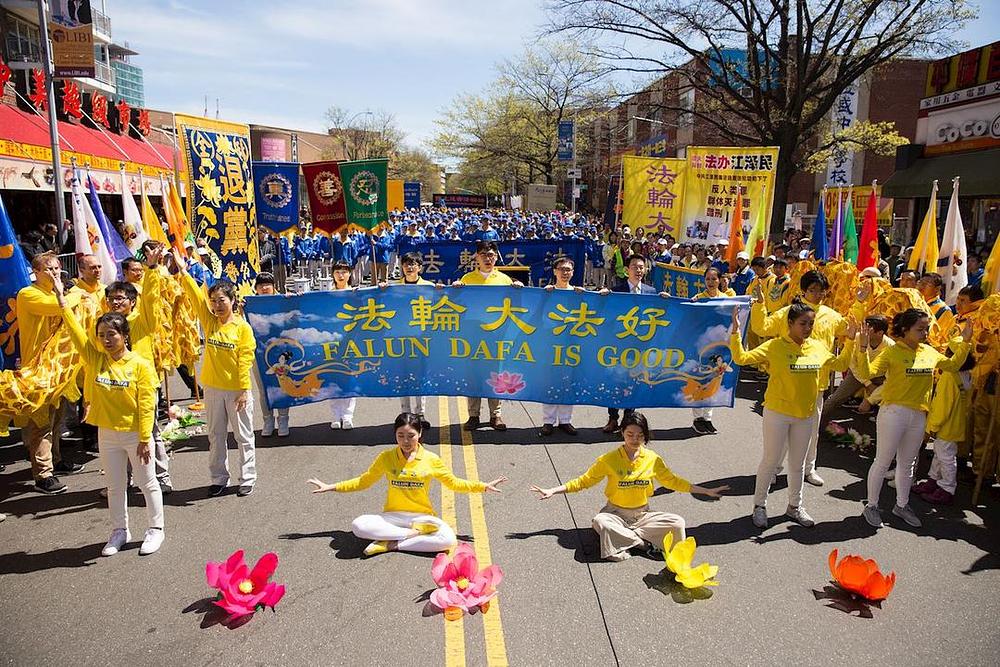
{"x": 43, "y": 36}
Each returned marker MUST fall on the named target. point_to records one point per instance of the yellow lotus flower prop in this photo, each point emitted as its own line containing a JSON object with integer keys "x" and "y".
{"x": 679, "y": 559}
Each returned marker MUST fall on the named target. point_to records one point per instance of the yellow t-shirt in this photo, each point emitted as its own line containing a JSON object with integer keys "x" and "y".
{"x": 796, "y": 371}
{"x": 494, "y": 278}
{"x": 409, "y": 480}
{"x": 229, "y": 347}
{"x": 630, "y": 483}
{"x": 122, "y": 393}
{"x": 721, "y": 295}
{"x": 776, "y": 292}
{"x": 828, "y": 326}
{"x": 909, "y": 373}
{"x": 95, "y": 291}
{"x": 420, "y": 281}
{"x": 38, "y": 315}
{"x": 948, "y": 416}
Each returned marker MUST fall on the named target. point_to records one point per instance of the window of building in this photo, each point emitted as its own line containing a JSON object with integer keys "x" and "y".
{"x": 687, "y": 103}
{"x": 22, "y": 40}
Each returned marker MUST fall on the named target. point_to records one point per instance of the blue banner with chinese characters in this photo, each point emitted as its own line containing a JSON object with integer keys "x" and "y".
{"x": 566, "y": 149}
{"x": 220, "y": 198}
{"x": 527, "y": 261}
{"x": 276, "y": 185}
{"x": 528, "y": 344}
{"x": 411, "y": 195}
{"x": 677, "y": 280}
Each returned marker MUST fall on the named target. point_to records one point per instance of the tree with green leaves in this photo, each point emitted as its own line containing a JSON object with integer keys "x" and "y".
{"x": 797, "y": 57}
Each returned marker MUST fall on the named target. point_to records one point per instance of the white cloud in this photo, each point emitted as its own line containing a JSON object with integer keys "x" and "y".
{"x": 262, "y": 324}
{"x": 311, "y": 336}
{"x": 720, "y": 332}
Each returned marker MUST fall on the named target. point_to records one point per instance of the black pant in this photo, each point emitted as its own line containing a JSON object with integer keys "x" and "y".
{"x": 188, "y": 379}
{"x": 613, "y": 413}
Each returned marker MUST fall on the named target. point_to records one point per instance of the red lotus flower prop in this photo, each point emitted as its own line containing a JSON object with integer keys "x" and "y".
{"x": 861, "y": 576}
{"x": 463, "y": 586}
{"x": 241, "y": 590}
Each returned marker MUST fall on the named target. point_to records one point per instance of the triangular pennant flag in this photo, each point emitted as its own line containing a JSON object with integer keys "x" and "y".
{"x": 819, "y": 232}
{"x": 991, "y": 272}
{"x": 757, "y": 238}
{"x": 112, "y": 240}
{"x": 735, "y": 232}
{"x": 850, "y": 231}
{"x": 868, "y": 252}
{"x": 925, "y": 251}
{"x": 131, "y": 217}
{"x": 14, "y": 275}
{"x": 150, "y": 222}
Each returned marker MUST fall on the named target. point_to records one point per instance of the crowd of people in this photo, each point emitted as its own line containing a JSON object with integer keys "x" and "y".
{"x": 921, "y": 389}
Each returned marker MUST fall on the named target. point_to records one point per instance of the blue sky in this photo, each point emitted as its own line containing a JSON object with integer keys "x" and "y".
{"x": 284, "y": 63}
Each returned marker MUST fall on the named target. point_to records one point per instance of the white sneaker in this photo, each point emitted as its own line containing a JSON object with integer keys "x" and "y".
{"x": 760, "y": 516}
{"x": 347, "y": 425}
{"x": 800, "y": 516}
{"x": 152, "y": 542}
{"x": 814, "y": 479}
{"x": 119, "y": 538}
{"x": 267, "y": 430}
{"x": 335, "y": 424}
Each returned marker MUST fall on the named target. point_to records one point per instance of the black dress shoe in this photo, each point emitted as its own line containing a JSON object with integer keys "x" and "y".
{"x": 471, "y": 424}
{"x": 568, "y": 429}
{"x": 546, "y": 429}
{"x": 216, "y": 490}
{"x": 67, "y": 468}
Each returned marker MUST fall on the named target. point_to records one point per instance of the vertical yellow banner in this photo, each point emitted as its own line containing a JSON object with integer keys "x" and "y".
{"x": 394, "y": 194}
{"x": 653, "y": 193}
{"x": 716, "y": 176}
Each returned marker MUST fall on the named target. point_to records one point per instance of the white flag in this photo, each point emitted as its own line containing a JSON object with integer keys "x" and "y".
{"x": 953, "y": 257}
{"x": 133, "y": 221}
{"x": 85, "y": 227}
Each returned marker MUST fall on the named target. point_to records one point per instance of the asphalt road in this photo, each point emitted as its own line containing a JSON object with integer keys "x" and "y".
{"x": 60, "y": 601}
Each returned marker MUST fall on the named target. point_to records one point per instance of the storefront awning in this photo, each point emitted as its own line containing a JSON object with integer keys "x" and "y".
{"x": 979, "y": 172}
{"x": 24, "y": 141}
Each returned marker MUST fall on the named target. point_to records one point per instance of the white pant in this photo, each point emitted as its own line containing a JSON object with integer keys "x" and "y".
{"x": 118, "y": 449}
{"x": 557, "y": 414}
{"x": 899, "y": 433}
{"x": 415, "y": 404}
{"x": 814, "y": 436}
{"x": 702, "y": 413}
{"x": 783, "y": 433}
{"x": 944, "y": 467}
{"x": 343, "y": 408}
{"x": 221, "y": 415}
{"x": 396, "y": 527}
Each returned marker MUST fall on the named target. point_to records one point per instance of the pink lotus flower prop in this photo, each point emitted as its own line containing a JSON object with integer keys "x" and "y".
{"x": 463, "y": 586}
{"x": 241, "y": 590}
{"x": 506, "y": 382}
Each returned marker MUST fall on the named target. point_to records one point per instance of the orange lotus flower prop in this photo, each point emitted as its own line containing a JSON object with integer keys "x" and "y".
{"x": 861, "y": 576}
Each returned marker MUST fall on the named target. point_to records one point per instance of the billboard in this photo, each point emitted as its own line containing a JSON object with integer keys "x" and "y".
{"x": 411, "y": 195}
{"x": 539, "y": 197}
{"x": 72, "y": 34}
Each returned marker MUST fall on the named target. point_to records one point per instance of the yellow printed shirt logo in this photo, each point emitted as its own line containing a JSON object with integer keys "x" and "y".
{"x": 407, "y": 484}
{"x": 221, "y": 344}
{"x": 920, "y": 371}
{"x": 800, "y": 367}
{"x": 633, "y": 483}
{"x": 111, "y": 383}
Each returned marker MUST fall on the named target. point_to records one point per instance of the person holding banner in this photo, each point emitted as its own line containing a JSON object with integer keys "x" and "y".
{"x": 635, "y": 268}
{"x": 797, "y": 362}
{"x": 225, "y": 375}
{"x": 486, "y": 273}
{"x": 703, "y": 416}
{"x": 559, "y": 415}
{"x": 908, "y": 367}
{"x": 121, "y": 390}
{"x": 264, "y": 286}
{"x": 412, "y": 264}
{"x": 407, "y": 521}
{"x": 626, "y": 522}
{"x": 342, "y": 409}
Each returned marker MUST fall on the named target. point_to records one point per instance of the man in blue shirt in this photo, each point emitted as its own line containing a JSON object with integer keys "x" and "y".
{"x": 975, "y": 269}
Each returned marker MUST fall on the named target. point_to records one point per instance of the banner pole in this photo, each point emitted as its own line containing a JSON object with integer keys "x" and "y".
{"x": 50, "y": 94}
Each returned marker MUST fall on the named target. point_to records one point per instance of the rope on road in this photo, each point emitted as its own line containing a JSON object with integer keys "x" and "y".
{"x": 590, "y": 572}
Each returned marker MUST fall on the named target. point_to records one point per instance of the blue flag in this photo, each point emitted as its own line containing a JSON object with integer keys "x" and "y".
{"x": 819, "y": 234}
{"x": 14, "y": 274}
{"x": 119, "y": 250}
{"x": 276, "y": 185}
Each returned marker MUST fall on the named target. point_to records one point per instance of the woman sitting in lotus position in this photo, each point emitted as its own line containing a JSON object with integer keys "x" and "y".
{"x": 626, "y": 520}
{"x": 407, "y": 521}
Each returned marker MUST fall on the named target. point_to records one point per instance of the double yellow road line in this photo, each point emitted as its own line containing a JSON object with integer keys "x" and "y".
{"x": 454, "y": 631}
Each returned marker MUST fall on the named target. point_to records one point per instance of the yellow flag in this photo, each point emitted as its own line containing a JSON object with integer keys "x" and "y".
{"x": 654, "y": 190}
{"x": 757, "y": 238}
{"x": 152, "y": 223}
{"x": 926, "y": 250}
{"x": 991, "y": 274}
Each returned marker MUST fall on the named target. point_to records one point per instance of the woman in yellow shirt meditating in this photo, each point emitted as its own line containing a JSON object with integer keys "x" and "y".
{"x": 121, "y": 390}
{"x": 626, "y": 521}
{"x": 408, "y": 521}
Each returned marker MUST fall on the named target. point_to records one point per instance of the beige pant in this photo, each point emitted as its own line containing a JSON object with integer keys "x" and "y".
{"x": 620, "y": 529}
{"x": 42, "y": 443}
{"x": 475, "y": 404}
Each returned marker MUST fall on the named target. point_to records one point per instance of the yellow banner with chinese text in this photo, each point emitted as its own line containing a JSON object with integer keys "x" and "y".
{"x": 653, "y": 193}
{"x": 859, "y": 196}
{"x": 716, "y": 176}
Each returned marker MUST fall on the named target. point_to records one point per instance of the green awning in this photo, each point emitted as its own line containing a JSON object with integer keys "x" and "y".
{"x": 979, "y": 171}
